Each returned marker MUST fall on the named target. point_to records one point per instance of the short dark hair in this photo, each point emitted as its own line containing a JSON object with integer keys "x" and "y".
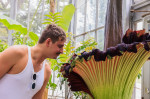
{"x": 54, "y": 32}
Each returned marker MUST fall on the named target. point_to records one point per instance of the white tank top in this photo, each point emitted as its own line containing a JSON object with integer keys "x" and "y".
{"x": 19, "y": 86}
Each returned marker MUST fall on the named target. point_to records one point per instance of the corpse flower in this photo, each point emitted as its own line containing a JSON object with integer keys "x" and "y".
{"x": 109, "y": 74}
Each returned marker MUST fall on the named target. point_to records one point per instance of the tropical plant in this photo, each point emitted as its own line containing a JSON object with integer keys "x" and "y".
{"x": 21, "y": 33}
{"x": 3, "y": 45}
{"x": 111, "y": 74}
{"x": 63, "y": 18}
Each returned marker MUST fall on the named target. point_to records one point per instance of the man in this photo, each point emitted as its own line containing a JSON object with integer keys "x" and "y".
{"x": 23, "y": 72}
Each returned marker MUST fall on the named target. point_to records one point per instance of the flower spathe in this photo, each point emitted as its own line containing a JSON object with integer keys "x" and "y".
{"x": 110, "y": 74}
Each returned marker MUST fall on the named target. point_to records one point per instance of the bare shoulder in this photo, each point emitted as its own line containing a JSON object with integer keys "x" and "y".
{"x": 20, "y": 49}
{"x": 10, "y": 57}
{"x": 17, "y": 50}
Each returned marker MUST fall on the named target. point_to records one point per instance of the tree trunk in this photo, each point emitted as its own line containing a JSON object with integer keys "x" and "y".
{"x": 113, "y": 24}
{"x": 52, "y": 6}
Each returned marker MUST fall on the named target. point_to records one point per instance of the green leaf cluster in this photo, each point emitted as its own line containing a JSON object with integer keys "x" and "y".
{"x": 3, "y": 45}
{"x": 21, "y": 34}
{"x": 62, "y": 19}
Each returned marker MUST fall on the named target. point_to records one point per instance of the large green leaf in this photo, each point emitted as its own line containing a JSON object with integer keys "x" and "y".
{"x": 67, "y": 14}
{"x": 63, "y": 20}
{"x": 12, "y": 24}
{"x": 33, "y": 36}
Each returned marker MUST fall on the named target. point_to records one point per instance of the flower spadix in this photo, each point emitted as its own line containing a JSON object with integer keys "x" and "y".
{"x": 109, "y": 74}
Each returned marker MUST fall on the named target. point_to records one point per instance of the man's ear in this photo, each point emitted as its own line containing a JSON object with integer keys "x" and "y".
{"x": 48, "y": 42}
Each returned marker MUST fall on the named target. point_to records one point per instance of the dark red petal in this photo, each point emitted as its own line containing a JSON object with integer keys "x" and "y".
{"x": 66, "y": 68}
{"x": 99, "y": 55}
{"x": 111, "y": 51}
{"x": 86, "y": 55}
{"x": 131, "y": 48}
{"x": 146, "y": 47}
{"x": 122, "y": 47}
{"x": 77, "y": 83}
{"x": 133, "y": 37}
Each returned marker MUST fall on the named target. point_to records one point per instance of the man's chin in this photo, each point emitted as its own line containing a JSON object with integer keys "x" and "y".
{"x": 55, "y": 57}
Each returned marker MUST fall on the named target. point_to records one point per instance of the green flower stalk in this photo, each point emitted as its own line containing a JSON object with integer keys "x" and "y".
{"x": 111, "y": 74}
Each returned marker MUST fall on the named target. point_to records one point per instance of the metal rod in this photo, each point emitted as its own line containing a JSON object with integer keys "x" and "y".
{"x": 139, "y": 11}
{"x": 90, "y": 31}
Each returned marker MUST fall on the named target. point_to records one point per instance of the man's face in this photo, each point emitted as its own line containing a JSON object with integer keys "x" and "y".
{"x": 56, "y": 48}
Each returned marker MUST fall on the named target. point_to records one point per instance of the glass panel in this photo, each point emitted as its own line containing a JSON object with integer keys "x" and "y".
{"x": 61, "y": 4}
{"x": 89, "y": 35}
{"x": 91, "y": 15}
{"x": 100, "y": 39}
{"x": 138, "y": 88}
{"x": 80, "y": 16}
{"x": 5, "y": 7}
{"x": 5, "y": 10}
{"x": 46, "y": 11}
{"x": 57, "y": 92}
{"x": 102, "y": 7}
{"x": 36, "y": 24}
{"x": 78, "y": 41}
{"x": 139, "y": 25}
{"x": 22, "y": 12}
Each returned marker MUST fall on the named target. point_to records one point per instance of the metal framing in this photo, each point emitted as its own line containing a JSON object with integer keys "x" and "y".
{"x": 94, "y": 30}
{"x": 85, "y": 22}
{"x": 96, "y": 21}
{"x": 13, "y": 12}
{"x": 85, "y": 10}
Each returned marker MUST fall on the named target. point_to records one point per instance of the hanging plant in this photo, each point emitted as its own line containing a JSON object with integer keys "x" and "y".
{"x": 109, "y": 74}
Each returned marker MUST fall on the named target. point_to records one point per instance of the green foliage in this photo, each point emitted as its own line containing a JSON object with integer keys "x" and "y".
{"x": 53, "y": 85}
{"x": 33, "y": 37}
{"x": 53, "y": 18}
{"x": 30, "y": 42}
{"x": 87, "y": 45}
{"x": 12, "y": 24}
{"x": 67, "y": 14}
{"x": 21, "y": 33}
{"x": 3, "y": 45}
{"x": 18, "y": 38}
{"x": 77, "y": 94}
{"x": 81, "y": 95}
{"x": 61, "y": 19}
{"x": 139, "y": 75}
{"x": 47, "y": 1}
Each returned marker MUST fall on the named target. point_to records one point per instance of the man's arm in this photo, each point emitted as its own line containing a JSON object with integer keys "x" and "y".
{"x": 39, "y": 94}
{"x": 8, "y": 59}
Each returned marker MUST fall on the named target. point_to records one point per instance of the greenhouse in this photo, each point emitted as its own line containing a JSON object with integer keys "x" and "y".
{"x": 74, "y": 49}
